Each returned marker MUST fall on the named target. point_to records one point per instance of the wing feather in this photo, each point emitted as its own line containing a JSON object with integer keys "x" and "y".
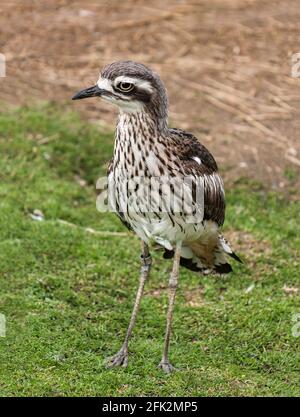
{"x": 199, "y": 162}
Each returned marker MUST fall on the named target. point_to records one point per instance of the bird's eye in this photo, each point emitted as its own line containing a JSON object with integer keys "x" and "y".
{"x": 126, "y": 87}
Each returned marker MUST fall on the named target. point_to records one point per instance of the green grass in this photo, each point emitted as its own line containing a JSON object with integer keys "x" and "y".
{"x": 67, "y": 294}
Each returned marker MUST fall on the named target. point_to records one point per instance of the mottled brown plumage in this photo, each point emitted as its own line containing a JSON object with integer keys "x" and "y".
{"x": 162, "y": 182}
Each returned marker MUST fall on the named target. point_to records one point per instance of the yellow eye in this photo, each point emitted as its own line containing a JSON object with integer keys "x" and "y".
{"x": 126, "y": 87}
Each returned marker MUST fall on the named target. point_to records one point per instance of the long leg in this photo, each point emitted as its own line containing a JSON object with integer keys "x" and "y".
{"x": 121, "y": 358}
{"x": 165, "y": 364}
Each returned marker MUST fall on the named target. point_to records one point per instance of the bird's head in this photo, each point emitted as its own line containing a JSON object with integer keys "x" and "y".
{"x": 132, "y": 87}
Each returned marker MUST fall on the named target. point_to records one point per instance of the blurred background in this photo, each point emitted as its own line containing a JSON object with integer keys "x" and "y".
{"x": 68, "y": 273}
{"x": 227, "y": 65}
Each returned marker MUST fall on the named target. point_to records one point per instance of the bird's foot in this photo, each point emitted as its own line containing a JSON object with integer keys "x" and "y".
{"x": 166, "y": 366}
{"x": 119, "y": 359}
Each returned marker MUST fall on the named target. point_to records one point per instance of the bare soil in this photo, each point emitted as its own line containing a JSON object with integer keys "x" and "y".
{"x": 227, "y": 65}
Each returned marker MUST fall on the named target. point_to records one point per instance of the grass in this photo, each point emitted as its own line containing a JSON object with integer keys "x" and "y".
{"x": 67, "y": 294}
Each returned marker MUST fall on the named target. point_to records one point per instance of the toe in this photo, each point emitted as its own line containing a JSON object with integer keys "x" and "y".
{"x": 167, "y": 367}
{"x": 120, "y": 359}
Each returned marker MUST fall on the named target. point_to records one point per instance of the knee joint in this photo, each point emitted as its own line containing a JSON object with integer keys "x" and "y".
{"x": 146, "y": 261}
{"x": 173, "y": 282}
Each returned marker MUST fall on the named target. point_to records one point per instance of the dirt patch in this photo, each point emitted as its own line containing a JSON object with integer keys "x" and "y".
{"x": 195, "y": 297}
{"x": 248, "y": 244}
{"x": 157, "y": 292}
{"x": 249, "y": 248}
{"x": 226, "y": 63}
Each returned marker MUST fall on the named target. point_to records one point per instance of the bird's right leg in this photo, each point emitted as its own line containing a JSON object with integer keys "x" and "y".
{"x": 121, "y": 358}
{"x": 165, "y": 364}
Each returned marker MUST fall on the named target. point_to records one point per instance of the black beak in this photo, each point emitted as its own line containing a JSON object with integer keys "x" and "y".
{"x": 94, "y": 91}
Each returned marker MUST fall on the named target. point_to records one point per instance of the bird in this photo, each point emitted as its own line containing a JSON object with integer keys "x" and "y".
{"x": 186, "y": 208}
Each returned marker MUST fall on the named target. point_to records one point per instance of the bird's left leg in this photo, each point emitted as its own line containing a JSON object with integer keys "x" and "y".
{"x": 121, "y": 358}
{"x": 165, "y": 364}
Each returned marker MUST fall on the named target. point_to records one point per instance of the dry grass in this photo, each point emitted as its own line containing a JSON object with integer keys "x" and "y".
{"x": 227, "y": 66}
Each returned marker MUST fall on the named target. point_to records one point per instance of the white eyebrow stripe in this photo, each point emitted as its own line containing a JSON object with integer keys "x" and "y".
{"x": 105, "y": 84}
{"x": 145, "y": 85}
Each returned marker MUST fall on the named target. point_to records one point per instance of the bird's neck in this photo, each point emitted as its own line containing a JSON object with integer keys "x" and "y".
{"x": 137, "y": 136}
{"x": 140, "y": 122}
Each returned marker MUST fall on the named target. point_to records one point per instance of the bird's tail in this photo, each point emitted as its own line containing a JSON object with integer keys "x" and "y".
{"x": 208, "y": 257}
